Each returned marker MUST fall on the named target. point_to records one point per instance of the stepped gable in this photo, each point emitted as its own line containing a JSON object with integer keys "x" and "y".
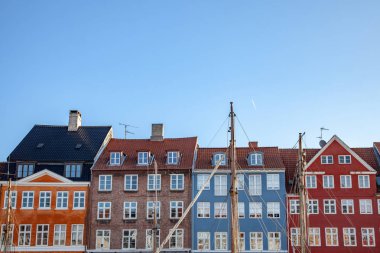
{"x": 271, "y": 156}
{"x": 130, "y": 147}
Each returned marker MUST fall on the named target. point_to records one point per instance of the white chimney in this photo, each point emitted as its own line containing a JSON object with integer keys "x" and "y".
{"x": 157, "y": 132}
{"x": 75, "y": 120}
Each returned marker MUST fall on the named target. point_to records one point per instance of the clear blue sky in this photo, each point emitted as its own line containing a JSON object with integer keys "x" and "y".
{"x": 306, "y": 64}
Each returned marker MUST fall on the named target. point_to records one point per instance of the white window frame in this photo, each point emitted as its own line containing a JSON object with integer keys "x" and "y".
{"x": 102, "y": 210}
{"x": 328, "y": 182}
{"x": 24, "y": 170}
{"x": 255, "y": 210}
{"x": 24, "y": 236}
{"x": 378, "y": 206}
{"x": 220, "y": 210}
{"x": 346, "y": 159}
{"x": 330, "y": 235}
{"x": 329, "y": 206}
{"x": 130, "y": 239}
{"x": 172, "y": 157}
{"x": 325, "y": 159}
{"x": 311, "y": 204}
{"x": 203, "y": 210}
{"x": 294, "y": 206}
{"x": 149, "y": 238}
{"x": 241, "y": 210}
{"x": 348, "y": 203}
{"x": 150, "y": 205}
{"x": 29, "y": 204}
{"x": 44, "y": 200}
{"x": 217, "y": 156}
{"x": 156, "y": 186}
{"x": 273, "y": 210}
{"x": 2, "y": 238}
{"x": 44, "y": 234}
{"x": 311, "y": 181}
{"x": 240, "y": 182}
{"x": 103, "y": 238}
{"x": 368, "y": 232}
{"x": 143, "y": 158}
{"x": 175, "y": 178}
{"x": 256, "y": 159}
{"x": 178, "y": 239}
{"x": 201, "y": 179}
{"x": 365, "y": 206}
{"x": 13, "y": 199}
{"x": 61, "y": 200}
{"x": 203, "y": 241}
{"x": 348, "y": 233}
{"x": 77, "y": 231}
{"x": 107, "y": 178}
{"x": 256, "y": 238}
{"x": 221, "y": 240}
{"x": 344, "y": 182}
{"x": 314, "y": 234}
{"x": 241, "y": 245}
{"x": 129, "y": 206}
{"x": 273, "y": 237}
{"x": 130, "y": 187}
{"x": 295, "y": 236}
{"x": 78, "y": 196}
{"x": 177, "y": 207}
{"x": 220, "y": 185}
{"x": 115, "y": 158}
{"x": 364, "y": 182}
{"x": 273, "y": 181}
{"x": 73, "y": 167}
{"x": 60, "y": 230}
{"x": 255, "y": 185}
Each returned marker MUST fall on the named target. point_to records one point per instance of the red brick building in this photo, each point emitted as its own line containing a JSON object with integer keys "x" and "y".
{"x": 342, "y": 202}
{"x": 123, "y": 189}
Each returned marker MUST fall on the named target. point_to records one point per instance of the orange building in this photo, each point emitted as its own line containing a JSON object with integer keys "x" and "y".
{"x": 48, "y": 213}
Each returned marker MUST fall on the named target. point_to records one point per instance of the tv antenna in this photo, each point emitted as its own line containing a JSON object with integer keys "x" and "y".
{"x": 322, "y": 142}
{"x": 125, "y": 129}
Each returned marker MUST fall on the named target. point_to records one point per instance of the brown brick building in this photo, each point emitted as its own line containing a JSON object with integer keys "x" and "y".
{"x": 123, "y": 190}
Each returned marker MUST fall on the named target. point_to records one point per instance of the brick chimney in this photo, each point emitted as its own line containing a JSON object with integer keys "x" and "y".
{"x": 253, "y": 144}
{"x": 157, "y": 132}
{"x": 75, "y": 120}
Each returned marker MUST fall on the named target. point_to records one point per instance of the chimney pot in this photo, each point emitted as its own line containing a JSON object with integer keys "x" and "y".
{"x": 75, "y": 120}
{"x": 157, "y": 132}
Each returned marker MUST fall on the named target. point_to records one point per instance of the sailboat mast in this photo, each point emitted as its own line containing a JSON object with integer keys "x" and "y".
{"x": 233, "y": 189}
{"x": 302, "y": 195}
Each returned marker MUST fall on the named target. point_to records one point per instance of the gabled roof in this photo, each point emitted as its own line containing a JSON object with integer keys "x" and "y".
{"x": 271, "y": 155}
{"x": 347, "y": 148}
{"x": 46, "y": 143}
{"x": 130, "y": 147}
{"x": 43, "y": 173}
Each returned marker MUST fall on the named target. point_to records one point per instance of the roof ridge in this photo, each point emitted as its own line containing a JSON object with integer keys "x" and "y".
{"x": 147, "y": 139}
{"x": 58, "y": 126}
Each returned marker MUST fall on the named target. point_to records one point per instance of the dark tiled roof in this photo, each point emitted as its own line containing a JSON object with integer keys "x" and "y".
{"x": 56, "y": 144}
{"x": 272, "y": 158}
{"x": 130, "y": 148}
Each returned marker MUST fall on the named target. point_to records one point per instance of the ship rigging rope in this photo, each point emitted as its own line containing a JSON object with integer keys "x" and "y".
{"x": 171, "y": 231}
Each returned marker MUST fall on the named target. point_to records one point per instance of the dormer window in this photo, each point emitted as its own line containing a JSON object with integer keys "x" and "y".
{"x": 172, "y": 157}
{"x": 142, "y": 158}
{"x": 24, "y": 170}
{"x": 255, "y": 159}
{"x": 115, "y": 158}
{"x": 217, "y": 157}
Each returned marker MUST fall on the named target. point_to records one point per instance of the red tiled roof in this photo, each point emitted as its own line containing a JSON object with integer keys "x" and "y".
{"x": 130, "y": 147}
{"x": 290, "y": 157}
{"x": 272, "y": 158}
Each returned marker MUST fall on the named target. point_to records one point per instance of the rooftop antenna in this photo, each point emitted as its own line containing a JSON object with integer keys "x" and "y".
{"x": 322, "y": 142}
{"x": 125, "y": 129}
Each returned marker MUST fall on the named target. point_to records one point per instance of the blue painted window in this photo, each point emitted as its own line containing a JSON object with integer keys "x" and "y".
{"x": 201, "y": 180}
{"x": 219, "y": 156}
{"x": 220, "y": 185}
{"x": 273, "y": 181}
{"x": 255, "y": 159}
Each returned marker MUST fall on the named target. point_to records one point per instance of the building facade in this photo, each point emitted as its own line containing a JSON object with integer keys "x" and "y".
{"x": 135, "y": 181}
{"x": 261, "y": 200}
{"x": 342, "y": 205}
{"x": 50, "y": 175}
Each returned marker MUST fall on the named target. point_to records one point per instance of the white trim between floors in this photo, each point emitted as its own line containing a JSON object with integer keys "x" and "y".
{"x": 47, "y": 248}
{"x": 139, "y": 250}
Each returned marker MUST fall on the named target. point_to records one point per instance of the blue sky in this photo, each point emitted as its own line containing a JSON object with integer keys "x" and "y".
{"x": 305, "y": 64}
